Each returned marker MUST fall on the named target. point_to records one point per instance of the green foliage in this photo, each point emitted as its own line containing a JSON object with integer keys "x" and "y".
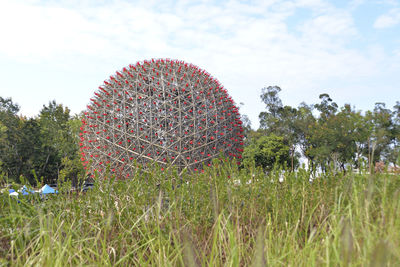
{"x": 267, "y": 152}
{"x": 281, "y": 121}
{"x": 38, "y": 144}
{"x": 11, "y": 128}
{"x": 72, "y": 170}
{"x": 56, "y": 138}
{"x": 273, "y": 104}
{"x": 327, "y": 107}
{"x": 337, "y": 136}
{"x": 326, "y": 135}
{"x": 7, "y": 106}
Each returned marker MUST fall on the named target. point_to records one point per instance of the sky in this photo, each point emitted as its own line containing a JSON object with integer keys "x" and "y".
{"x": 63, "y": 50}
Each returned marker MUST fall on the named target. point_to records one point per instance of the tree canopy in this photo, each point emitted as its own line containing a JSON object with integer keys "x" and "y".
{"x": 326, "y": 135}
{"x": 36, "y": 147}
{"x": 323, "y": 134}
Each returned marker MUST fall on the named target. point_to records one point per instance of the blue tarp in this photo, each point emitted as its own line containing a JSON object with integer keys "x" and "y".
{"x": 48, "y": 190}
{"x": 25, "y": 191}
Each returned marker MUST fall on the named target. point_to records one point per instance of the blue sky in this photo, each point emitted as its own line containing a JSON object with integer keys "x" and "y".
{"x": 64, "y": 50}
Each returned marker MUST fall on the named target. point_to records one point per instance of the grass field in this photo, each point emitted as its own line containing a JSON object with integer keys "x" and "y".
{"x": 209, "y": 219}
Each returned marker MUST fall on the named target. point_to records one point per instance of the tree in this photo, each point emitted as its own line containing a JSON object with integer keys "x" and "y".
{"x": 246, "y": 125}
{"x": 7, "y": 106}
{"x": 327, "y": 107}
{"x": 57, "y": 139}
{"x": 337, "y": 136}
{"x": 18, "y": 143}
{"x": 381, "y": 133}
{"x": 30, "y": 149}
{"x": 348, "y": 131}
{"x": 304, "y": 124}
{"x": 10, "y": 158}
{"x": 270, "y": 118}
{"x": 393, "y": 155}
{"x": 280, "y": 120}
{"x": 72, "y": 168}
{"x": 267, "y": 152}
{"x": 41, "y": 146}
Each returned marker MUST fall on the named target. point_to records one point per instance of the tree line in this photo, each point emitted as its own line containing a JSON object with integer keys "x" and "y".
{"x": 323, "y": 134}
{"x": 46, "y": 147}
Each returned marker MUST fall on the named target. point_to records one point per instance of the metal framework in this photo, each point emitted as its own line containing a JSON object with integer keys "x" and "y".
{"x": 164, "y": 111}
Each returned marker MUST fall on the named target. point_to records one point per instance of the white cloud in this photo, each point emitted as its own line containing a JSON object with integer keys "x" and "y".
{"x": 390, "y": 19}
{"x": 42, "y": 32}
{"x": 328, "y": 31}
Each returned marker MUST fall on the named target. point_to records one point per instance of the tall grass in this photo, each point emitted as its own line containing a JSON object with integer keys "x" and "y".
{"x": 223, "y": 217}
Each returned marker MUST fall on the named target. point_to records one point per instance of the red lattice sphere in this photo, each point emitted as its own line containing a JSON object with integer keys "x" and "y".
{"x": 164, "y": 111}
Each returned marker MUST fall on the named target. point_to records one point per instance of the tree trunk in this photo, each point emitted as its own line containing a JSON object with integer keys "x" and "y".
{"x": 369, "y": 155}
{"x": 45, "y": 164}
{"x": 372, "y": 157}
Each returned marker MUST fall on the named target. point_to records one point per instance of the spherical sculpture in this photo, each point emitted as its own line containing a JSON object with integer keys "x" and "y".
{"x": 163, "y": 111}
